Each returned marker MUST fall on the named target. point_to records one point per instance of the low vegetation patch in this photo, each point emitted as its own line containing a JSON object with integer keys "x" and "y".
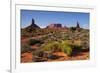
{"x": 34, "y": 41}
{"x": 57, "y": 47}
{"x": 25, "y": 48}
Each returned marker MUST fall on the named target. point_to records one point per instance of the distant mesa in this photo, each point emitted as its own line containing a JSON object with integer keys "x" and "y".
{"x": 58, "y": 25}
{"x": 55, "y": 25}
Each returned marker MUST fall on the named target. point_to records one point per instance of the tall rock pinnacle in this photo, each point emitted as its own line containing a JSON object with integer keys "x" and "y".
{"x": 33, "y": 21}
{"x": 77, "y": 26}
{"x": 33, "y": 25}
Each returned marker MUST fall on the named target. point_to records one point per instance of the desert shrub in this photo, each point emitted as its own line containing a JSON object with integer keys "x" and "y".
{"x": 66, "y": 48}
{"x": 34, "y": 41}
{"x": 85, "y": 44}
{"x": 25, "y": 48}
{"x": 37, "y": 53}
{"x": 76, "y": 48}
{"x": 51, "y": 46}
{"x": 58, "y": 46}
{"x": 73, "y": 29}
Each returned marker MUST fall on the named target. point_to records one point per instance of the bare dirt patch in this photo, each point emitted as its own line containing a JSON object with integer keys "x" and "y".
{"x": 26, "y": 57}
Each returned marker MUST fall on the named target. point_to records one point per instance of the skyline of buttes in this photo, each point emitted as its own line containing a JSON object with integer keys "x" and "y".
{"x": 44, "y": 18}
{"x": 52, "y": 25}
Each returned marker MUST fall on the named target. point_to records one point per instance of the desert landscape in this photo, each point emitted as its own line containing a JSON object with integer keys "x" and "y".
{"x": 54, "y": 42}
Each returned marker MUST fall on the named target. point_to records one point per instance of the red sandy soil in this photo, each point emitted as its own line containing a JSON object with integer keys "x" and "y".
{"x": 27, "y": 57}
{"x": 34, "y": 47}
{"x": 63, "y": 56}
{"x": 81, "y": 56}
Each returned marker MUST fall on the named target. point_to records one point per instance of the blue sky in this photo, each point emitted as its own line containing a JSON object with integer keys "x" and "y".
{"x": 44, "y": 18}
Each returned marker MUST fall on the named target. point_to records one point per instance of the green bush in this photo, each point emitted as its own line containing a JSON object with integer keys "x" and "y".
{"x": 66, "y": 48}
{"x": 51, "y": 46}
{"x": 76, "y": 48}
{"x": 37, "y": 52}
{"x": 72, "y": 29}
{"x": 58, "y": 46}
{"x": 25, "y": 48}
{"x": 34, "y": 41}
